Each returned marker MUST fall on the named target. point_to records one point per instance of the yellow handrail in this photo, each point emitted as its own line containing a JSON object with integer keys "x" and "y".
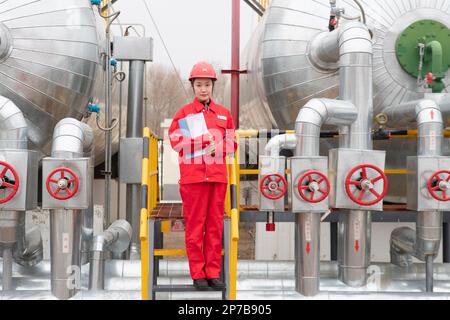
{"x": 149, "y": 183}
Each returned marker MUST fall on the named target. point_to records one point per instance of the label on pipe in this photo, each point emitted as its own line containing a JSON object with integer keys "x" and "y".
{"x": 433, "y": 143}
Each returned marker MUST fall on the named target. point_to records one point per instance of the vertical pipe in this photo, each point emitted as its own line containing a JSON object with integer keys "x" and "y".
{"x": 96, "y": 270}
{"x": 307, "y": 224}
{"x": 235, "y": 60}
{"x": 356, "y": 85}
{"x": 134, "y": 130}
{"x": 307, "y": 253}
{"x": 108, "y": 121}
{"x": 354, "y": 236}
{"x": 446, "y": 242}
{"x": 424, "y": 244}
{"x": 88, "y": 218}
{"x": 65, "y": 239}
{"x": 71, "y": 140}
{"x": 429, "y": 272}
{"x": 333, "y": 241}
{"x": 7, "y": 268}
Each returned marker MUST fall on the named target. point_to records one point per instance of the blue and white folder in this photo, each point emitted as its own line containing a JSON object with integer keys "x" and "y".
{"x": 193, "y": 126}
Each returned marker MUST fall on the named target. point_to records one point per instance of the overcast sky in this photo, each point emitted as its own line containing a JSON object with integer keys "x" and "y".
{"x": 193, "y": 30}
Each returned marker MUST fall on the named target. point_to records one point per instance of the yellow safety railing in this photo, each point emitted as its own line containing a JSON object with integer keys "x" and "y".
{"x": 232, "y": 210}
{"x": 150, "y": 198}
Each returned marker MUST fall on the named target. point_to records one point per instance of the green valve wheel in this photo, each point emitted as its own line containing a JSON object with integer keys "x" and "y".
{"x": 435, "y": 36}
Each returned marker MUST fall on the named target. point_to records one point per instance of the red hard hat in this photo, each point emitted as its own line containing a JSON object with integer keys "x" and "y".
{"x": 203, "y": 70}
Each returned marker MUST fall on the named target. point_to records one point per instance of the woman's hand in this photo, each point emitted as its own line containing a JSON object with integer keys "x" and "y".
{"x": 210, "y": 149}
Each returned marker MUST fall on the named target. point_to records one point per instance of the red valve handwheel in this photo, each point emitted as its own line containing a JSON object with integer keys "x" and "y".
{"x": 4, "y": 183}
{"x": 434, "y": 185}
{"x": 69, "y": 186}
{"x": 305, "y": 185}
{"x": 365, "y": 184}
{"x": 270, "y": 186}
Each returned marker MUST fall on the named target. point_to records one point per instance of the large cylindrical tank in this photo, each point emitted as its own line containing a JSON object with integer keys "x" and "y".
{"x": 281, "y": 78}
{"x": 51, "y": 63}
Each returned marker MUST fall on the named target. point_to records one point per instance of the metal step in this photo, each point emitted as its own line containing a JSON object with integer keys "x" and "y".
{"x": 182, "y": 288}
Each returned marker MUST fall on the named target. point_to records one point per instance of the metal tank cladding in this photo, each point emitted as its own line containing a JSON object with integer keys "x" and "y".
{"x": 49, "y": 61}
{"x": 281, "y": 78}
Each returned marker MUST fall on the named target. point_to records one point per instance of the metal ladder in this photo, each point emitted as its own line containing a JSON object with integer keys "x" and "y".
{"x": 150, "y": 228}
{"x": 156, "y": 252}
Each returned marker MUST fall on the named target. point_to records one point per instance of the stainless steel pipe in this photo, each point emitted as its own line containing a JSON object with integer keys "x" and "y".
{"x": 117, "y": 239}
{"x": 350, "y": 48}
{"x": 24, "y": 246}
{"x": 425, "y": 241}
{"x": 134, "y": 130}
{"x": 71, "y": 139}
{"x": 310, "y": 119}
{"x": 7, "y": 268}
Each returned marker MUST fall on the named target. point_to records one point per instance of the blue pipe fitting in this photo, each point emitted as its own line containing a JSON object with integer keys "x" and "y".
{"x": 113, "y": 62}
{"x": 94, "y": 108}
{"x": 96, "y": 2}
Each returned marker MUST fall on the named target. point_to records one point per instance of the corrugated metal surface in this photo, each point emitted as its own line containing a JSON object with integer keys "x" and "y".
{"x": 281, "y": 78}
{"x": 52, "y": 65}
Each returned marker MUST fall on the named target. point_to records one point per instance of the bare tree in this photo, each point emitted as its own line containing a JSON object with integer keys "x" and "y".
{"x": 165, "y": 95}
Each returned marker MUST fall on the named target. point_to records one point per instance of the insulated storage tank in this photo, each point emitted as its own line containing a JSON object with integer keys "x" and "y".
{"x": 51, "y": 63}
{"x": 281, "y": 78}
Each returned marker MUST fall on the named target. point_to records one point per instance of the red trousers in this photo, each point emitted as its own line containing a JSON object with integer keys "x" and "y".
{"x": 203, "y": 208}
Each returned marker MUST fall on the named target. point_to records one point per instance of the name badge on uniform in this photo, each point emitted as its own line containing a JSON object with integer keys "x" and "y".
{"x": 222, "y": 117}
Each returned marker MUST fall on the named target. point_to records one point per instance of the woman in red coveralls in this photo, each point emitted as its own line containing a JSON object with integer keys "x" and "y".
{"x": 203, "y": 177}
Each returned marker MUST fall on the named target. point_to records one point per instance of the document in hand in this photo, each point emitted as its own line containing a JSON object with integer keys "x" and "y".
{"x": 193, "y": 126}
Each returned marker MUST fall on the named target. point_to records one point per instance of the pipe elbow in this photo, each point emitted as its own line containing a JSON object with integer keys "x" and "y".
{"x": 318, "y": 112}
{"x": 72, "y": 136}
{"x": 282, "y": 141}
{"x": 354, "y": 37}
{"x": 13, "y": 126}
{"x": 428, "y": 111}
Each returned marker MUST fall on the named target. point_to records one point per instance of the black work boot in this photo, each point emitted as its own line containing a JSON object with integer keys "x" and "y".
{"x": 201, "y": 284}
{"x": 216, "y": 284}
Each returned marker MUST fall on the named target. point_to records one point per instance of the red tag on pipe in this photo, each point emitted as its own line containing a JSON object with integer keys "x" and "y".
{"x": 430, "y": 78}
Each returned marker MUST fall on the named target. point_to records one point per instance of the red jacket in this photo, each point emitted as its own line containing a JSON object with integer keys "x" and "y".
{"x": 204, "y": 168}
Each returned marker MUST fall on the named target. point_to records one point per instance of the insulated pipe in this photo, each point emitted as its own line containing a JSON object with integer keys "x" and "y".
{"x": 28, "y": 250}
{"x": 424, "y": 243}
{"x": 13, "y": 127}
{"x": 310, "y": 119}
{"x": 134, "y": 130}
{"x": 117, "y": 239}
{"x": 282, "y": 141}
{"x": 349, "y": 48}
{"x": 7, "y": 269}
{"x": 87, "y": 229}
{"x": 71, "y": 139}
{"x": 24, "y": 246}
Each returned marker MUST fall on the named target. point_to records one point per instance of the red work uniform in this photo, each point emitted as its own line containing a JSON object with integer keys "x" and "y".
{"x": 203, "y": 185}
